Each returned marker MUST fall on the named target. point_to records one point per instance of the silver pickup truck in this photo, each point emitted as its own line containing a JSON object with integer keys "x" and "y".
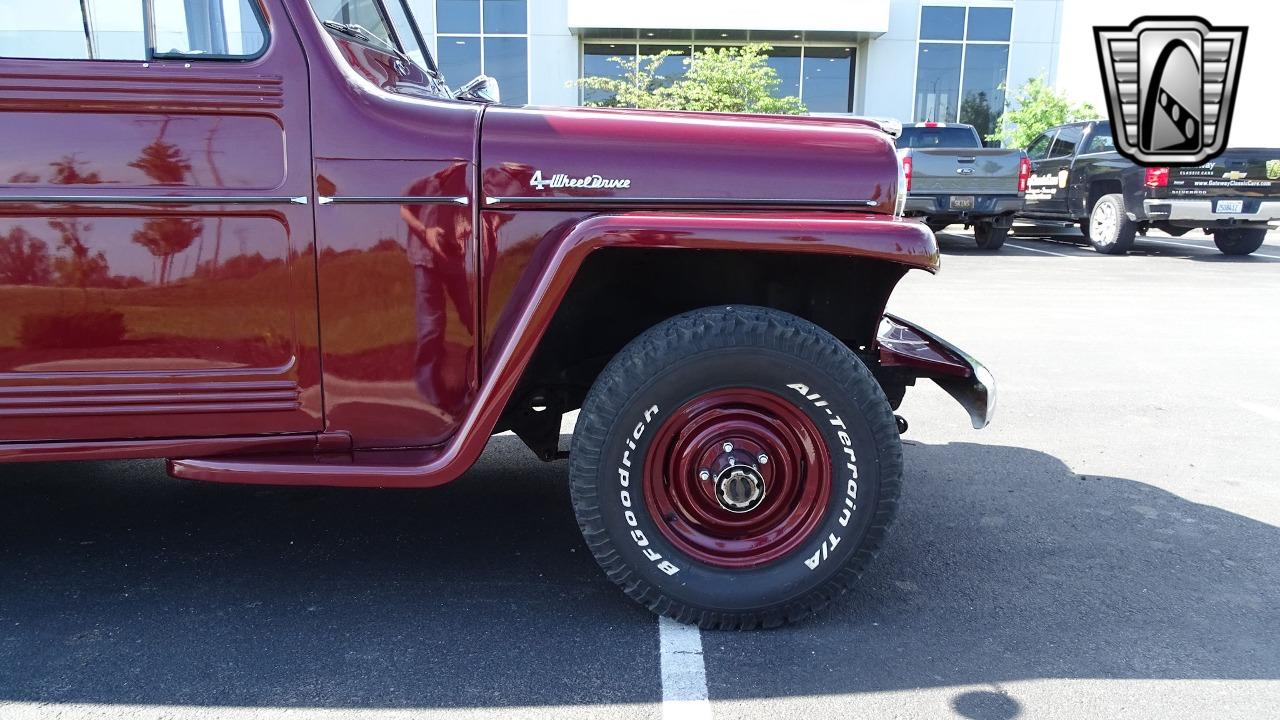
{"x": 952, "y": 179}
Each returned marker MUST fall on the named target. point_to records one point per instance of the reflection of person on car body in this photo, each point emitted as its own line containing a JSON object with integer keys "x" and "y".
{"x": 438, "y": 235}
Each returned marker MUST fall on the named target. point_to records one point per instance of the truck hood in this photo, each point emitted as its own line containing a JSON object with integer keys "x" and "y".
{"x": 625, "y": 158}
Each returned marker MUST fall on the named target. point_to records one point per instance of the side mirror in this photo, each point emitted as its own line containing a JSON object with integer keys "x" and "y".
{"x": 481, "y": 88}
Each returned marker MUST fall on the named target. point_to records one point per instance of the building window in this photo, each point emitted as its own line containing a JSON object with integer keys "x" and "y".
{"x": 816, "y": 67}
{"x": 489, "y": 37}
{"x": 962, "y": 62}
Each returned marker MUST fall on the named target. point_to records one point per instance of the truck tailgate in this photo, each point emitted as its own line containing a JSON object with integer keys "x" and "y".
{"x": 1237, "y": 173}
{"x": 964, "y": 170}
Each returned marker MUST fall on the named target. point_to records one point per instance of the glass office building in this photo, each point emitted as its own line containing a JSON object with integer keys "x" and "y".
{"x": 914, "y": 60}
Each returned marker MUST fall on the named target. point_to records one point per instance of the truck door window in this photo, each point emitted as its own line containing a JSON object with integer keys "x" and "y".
{"x": 1100, "y": 140}
{"x": 1039, "y": 148}
{"x": 1065, "y": 144}
{"x": 117, "y": 29}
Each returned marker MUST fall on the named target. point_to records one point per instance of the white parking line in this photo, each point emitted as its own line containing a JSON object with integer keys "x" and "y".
{"x": 1198, "y": 247}
{"x": 684, "y": 676}
{"x": 1265, "y": 411}
{"x": 1046, "y": 252}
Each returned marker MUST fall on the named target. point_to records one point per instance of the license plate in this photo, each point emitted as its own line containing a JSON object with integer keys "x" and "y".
{"x": 1230, "y": 206}
{"x": 965, "y": 202}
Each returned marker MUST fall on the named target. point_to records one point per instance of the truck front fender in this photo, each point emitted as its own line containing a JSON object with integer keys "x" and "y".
{"x": 542, "y": 288}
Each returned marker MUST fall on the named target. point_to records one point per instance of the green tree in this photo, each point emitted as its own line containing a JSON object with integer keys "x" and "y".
{"x": 730, "y": 79}
{"x": 1035, "y": 108}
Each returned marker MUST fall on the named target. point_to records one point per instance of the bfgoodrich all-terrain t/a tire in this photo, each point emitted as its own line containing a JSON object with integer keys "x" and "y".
{"x": 735, "y": 467}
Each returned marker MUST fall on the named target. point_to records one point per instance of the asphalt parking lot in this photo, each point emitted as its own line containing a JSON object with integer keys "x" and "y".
{"x": 1108, "y": 548}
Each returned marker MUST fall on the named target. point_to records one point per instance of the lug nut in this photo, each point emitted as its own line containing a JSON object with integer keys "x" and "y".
{"x": 704, "y": 474}
{"x": 764, "y": 459}
{"x": 728, "y": 447}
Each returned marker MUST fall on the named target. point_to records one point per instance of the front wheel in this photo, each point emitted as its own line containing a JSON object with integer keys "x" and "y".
{"x": 735, "y": 467}
{"x": 1239, "y": 241}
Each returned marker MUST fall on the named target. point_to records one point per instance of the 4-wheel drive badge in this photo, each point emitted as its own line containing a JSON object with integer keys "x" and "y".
{"x": 561, "y": 180}
{"x": 1171, "y": 84}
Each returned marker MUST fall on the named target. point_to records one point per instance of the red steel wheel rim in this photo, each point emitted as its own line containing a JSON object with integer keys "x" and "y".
{"x": 725, "y": 505}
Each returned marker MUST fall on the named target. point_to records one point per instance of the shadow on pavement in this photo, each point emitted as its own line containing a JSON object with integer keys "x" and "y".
{"x": 118, "y": 585}
{"x": 1004, "y": 565}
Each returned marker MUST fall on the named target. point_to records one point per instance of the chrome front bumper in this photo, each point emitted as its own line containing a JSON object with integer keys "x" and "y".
{"x": 908, "y": 347}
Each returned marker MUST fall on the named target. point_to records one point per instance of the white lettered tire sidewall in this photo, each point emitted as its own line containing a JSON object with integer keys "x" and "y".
{"x": 833, "y": 389}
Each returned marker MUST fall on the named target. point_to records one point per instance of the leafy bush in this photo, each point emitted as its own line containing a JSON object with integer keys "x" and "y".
{"x": 730, "y": 79}
{"x": 1036, "y": 107}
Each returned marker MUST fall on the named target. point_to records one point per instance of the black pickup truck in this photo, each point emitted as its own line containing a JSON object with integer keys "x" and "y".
{"x": 1077, "y": 176}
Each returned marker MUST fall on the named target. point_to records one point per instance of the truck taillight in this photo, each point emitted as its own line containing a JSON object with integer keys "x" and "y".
{"x": 906, "y": 171}
{"x": 1024, "y": 174}
{"x": 1157, "y": 177}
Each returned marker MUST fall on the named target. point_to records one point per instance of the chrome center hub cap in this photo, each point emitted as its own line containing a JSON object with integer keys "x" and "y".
{"x": 739, "y": 488}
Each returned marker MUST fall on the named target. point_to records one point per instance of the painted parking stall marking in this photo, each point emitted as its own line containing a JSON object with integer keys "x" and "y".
{"x": 684, "y": 675}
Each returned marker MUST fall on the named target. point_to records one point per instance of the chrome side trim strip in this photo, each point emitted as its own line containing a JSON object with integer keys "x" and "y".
{"x": 562, "y": 200}
{"x": 393, "y": 199}
{"x": 155, "y": 199}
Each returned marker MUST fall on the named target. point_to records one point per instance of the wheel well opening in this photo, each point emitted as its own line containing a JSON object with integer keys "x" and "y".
{"x": 1097, "y": 189}
{"x": 619, "y": 293}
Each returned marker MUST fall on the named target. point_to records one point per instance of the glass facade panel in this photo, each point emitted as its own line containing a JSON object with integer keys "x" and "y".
{"x": 487, "y": 37}
{"x": 962, "y": 63}
{"x": 507, "y": 59}
{"x": 459, "y": 59}
{"x": 942, "y": 23}
{"x": 985, "y": 68}
{"x": 672, "y": 67}
{"x": 458, "y": 16}
{"x": 506, "y": 16}
{"x": 786, "y": 62}
{"x": 989, "y": 23}
{"x": 596, "y": 62}
{"x": 821, "y": 75}
{"x": 938, "y": 82}
{"x": 828, "y": 72}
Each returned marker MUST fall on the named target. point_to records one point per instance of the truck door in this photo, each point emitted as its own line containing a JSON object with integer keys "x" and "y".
{"x": 157, "y": 270}
{"x": 1051, "y": 173}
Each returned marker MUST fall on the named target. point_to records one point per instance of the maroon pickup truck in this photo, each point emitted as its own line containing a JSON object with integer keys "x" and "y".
{"x": 288, "y": 253}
